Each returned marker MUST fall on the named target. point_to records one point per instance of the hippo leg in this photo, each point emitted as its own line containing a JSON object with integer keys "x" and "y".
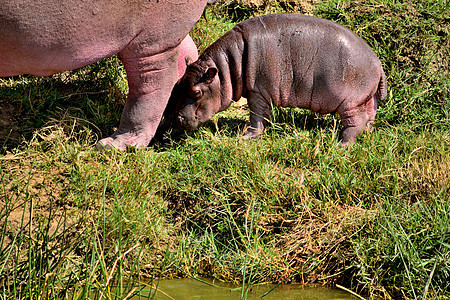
{"x": 260, "y": 111}
{"x": 150, "y": 80}
{"x": 356, "y": 120}
{"x": 371, "y": 107}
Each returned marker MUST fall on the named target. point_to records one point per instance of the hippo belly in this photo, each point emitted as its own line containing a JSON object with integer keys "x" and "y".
{"x": 44, "y": 38}
{"x": 25, "y": 62}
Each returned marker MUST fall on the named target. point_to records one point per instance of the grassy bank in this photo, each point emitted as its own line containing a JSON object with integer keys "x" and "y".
{"x": 289, "y": 207}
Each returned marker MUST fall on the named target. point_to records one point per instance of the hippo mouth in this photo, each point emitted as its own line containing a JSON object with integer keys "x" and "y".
{"x": 187, "y": 123}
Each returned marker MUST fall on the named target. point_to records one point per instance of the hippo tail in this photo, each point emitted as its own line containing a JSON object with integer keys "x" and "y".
{"x": 382, "y": 87}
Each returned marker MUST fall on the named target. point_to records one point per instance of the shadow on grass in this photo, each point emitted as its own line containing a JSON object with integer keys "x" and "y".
{"x": 167, "y": 137}
{"x": 284, "y": 120}
{"x": 90, "y": 99}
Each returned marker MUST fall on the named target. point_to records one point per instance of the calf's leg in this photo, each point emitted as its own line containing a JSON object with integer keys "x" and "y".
{"x": 260, "y": 111}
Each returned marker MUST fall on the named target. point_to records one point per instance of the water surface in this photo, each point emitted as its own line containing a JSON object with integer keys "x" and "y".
{"x": 187, "y": 289}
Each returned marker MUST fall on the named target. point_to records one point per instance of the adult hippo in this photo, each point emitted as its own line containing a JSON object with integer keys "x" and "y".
{"x": 49, "y": 36}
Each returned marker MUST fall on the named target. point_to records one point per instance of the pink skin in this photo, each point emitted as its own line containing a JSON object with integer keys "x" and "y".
{"x": 139, "y": 103}
{"x": 46, "y": 37}
{"x": 188, "y": 48}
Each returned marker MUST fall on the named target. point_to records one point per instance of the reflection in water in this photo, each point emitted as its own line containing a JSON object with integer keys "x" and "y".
{"x": 187, "y": 289}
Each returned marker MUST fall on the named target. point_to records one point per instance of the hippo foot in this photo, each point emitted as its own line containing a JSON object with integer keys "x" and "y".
{"x": 369, "y": 126}
{"x": 342, "y": 144}
{"x": 121, "y": 141}
{"x": 251, "y": 134}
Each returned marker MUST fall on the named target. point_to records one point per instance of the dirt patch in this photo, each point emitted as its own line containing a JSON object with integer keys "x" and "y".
{"x": 240, "y": 10}
{"x": 31, "y": 198}
{"x": 298, "y": 6}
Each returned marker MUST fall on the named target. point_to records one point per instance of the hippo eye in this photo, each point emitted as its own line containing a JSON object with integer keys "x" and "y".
{"x": 197, "y": 94}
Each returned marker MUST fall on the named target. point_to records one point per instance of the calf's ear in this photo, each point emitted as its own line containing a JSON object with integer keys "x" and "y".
{"x": 209, "y": 74}
{"x": 188, "y": 59}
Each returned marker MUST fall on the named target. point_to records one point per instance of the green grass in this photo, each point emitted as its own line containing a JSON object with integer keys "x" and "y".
{"x": 291, "y": 206}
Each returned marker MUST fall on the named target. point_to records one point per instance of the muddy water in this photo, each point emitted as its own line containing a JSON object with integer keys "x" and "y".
{"x": 187, "y": 289}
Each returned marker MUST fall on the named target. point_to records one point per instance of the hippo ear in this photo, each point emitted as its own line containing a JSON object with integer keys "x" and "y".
{"x": 188, "y": 59}
{"x": 209, "y": 74}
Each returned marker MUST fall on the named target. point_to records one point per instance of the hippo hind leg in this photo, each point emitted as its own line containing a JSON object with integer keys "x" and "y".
{"x": 356, "y": 120}
{"x": 371, "y": 108}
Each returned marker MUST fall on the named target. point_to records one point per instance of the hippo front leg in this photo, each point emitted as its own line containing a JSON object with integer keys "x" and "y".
{"x": 260, "y": 111}
{"x": 150, "y": 80}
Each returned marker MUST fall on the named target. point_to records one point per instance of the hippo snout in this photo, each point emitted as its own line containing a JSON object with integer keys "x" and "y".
{"x": 181, "y": 120}
{"x": 187, "y": 122}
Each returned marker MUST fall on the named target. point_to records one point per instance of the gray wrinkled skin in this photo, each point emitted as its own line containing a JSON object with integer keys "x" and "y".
{"x": 284, "y": 60}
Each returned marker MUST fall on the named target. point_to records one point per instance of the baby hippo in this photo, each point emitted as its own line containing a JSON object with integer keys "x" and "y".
{"x": 284, "y": 60}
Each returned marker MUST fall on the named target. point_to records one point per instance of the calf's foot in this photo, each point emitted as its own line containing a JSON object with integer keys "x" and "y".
{"x": 251, "y": 134}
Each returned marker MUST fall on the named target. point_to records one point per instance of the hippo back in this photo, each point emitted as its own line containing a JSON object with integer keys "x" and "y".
{"x": 296, "y": 54}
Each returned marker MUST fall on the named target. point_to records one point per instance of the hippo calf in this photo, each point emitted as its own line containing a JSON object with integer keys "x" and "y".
{"x": 284, "y": 60}
{"x": 48, "y": 36}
